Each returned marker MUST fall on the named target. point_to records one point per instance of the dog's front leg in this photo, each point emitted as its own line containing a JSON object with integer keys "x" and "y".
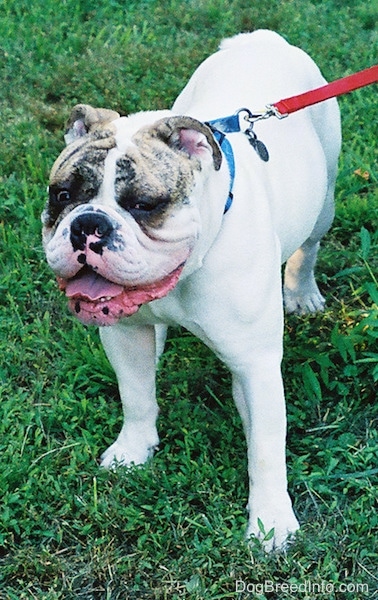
{"x": 131, "y": 352}
{"x": 259, "y": 396}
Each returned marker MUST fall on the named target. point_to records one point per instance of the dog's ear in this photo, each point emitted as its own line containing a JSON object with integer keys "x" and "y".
{"x": 84, "y": 119}
{"x": 191, "y": 136}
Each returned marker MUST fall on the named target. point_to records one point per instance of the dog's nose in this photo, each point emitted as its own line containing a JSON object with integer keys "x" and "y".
{"x": 92, "y": 224}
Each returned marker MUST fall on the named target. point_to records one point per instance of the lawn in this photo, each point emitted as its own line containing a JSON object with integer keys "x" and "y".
{"x": 174, "y": 529}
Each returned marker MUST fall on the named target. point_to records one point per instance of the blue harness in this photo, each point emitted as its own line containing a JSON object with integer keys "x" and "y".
{"x": 231, "y": 124}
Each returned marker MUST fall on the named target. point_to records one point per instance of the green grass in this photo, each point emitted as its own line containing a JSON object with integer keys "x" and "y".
{"x": 174, "y": 529}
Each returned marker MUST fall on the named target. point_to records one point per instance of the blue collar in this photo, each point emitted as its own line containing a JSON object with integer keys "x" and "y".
{"x": 229, "y": 154}
{"x": 231, "y": 124}
{"x": 220, "y": 127}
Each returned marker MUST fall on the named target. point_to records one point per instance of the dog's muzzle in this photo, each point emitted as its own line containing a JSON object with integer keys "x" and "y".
{"x": 95, "y": 295}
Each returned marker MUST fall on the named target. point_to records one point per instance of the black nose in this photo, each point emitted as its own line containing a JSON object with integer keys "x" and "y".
{"x": 92, "y": 223}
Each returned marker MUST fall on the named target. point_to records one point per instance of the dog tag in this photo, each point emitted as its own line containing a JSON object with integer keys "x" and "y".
{"x": 261, "y": 150}
{"x": 257, "y": 145}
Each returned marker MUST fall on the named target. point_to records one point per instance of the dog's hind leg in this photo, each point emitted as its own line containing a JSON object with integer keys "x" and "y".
{"x": 301, "y": 292}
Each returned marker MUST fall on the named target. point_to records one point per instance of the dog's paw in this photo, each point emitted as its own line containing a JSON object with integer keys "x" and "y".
{"x": 274, "y": 529}
{"x": 129, "y": 449}
{"x": 303, "y": 299}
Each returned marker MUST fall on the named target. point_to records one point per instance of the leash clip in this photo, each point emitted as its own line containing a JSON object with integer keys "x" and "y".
{"x": 259, "y": 146}
{"x": 272, "y": 111}
{"x": 251, "y": 117}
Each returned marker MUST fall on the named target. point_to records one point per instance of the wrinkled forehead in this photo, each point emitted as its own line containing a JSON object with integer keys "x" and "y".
{"x": 129, "y": 153}
{"x": 126, "y": 158}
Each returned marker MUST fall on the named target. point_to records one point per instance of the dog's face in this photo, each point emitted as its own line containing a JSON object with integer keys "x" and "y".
{"x": 123, "y": 212}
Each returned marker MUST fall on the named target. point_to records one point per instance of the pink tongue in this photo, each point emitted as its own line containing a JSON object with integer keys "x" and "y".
{"x": 91, "y": 286}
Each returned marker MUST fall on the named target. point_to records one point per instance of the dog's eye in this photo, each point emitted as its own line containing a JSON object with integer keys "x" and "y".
{"x": 142, "y": 206}
{"x": 155, "y": 206}
{"x": 63, "y": 196}
{"x": 59, "y": 196}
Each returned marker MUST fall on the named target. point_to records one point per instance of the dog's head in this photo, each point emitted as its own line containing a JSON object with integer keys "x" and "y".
{"x": 122, "y": 216}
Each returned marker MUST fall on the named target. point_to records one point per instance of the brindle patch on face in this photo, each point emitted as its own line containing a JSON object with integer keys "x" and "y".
{"x": 151, "y": 178}
{"x": 76, "y": 175}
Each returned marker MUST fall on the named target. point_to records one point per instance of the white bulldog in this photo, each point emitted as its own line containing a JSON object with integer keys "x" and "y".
{"x": 136, "y": 232}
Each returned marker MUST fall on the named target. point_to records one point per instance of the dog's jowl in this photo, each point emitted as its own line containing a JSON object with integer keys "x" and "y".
{"x": 136, "y": 232}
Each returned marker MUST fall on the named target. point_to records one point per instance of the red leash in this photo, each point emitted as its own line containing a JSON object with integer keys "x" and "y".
{"x": 336, "y": 88}
{"x": 282, "y": 109}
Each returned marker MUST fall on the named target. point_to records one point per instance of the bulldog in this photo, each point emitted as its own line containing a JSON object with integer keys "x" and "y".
{"x": 136, "y": 232}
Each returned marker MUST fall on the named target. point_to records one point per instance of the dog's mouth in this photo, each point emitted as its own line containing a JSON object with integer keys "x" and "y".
{"x": 95, "y": 300}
